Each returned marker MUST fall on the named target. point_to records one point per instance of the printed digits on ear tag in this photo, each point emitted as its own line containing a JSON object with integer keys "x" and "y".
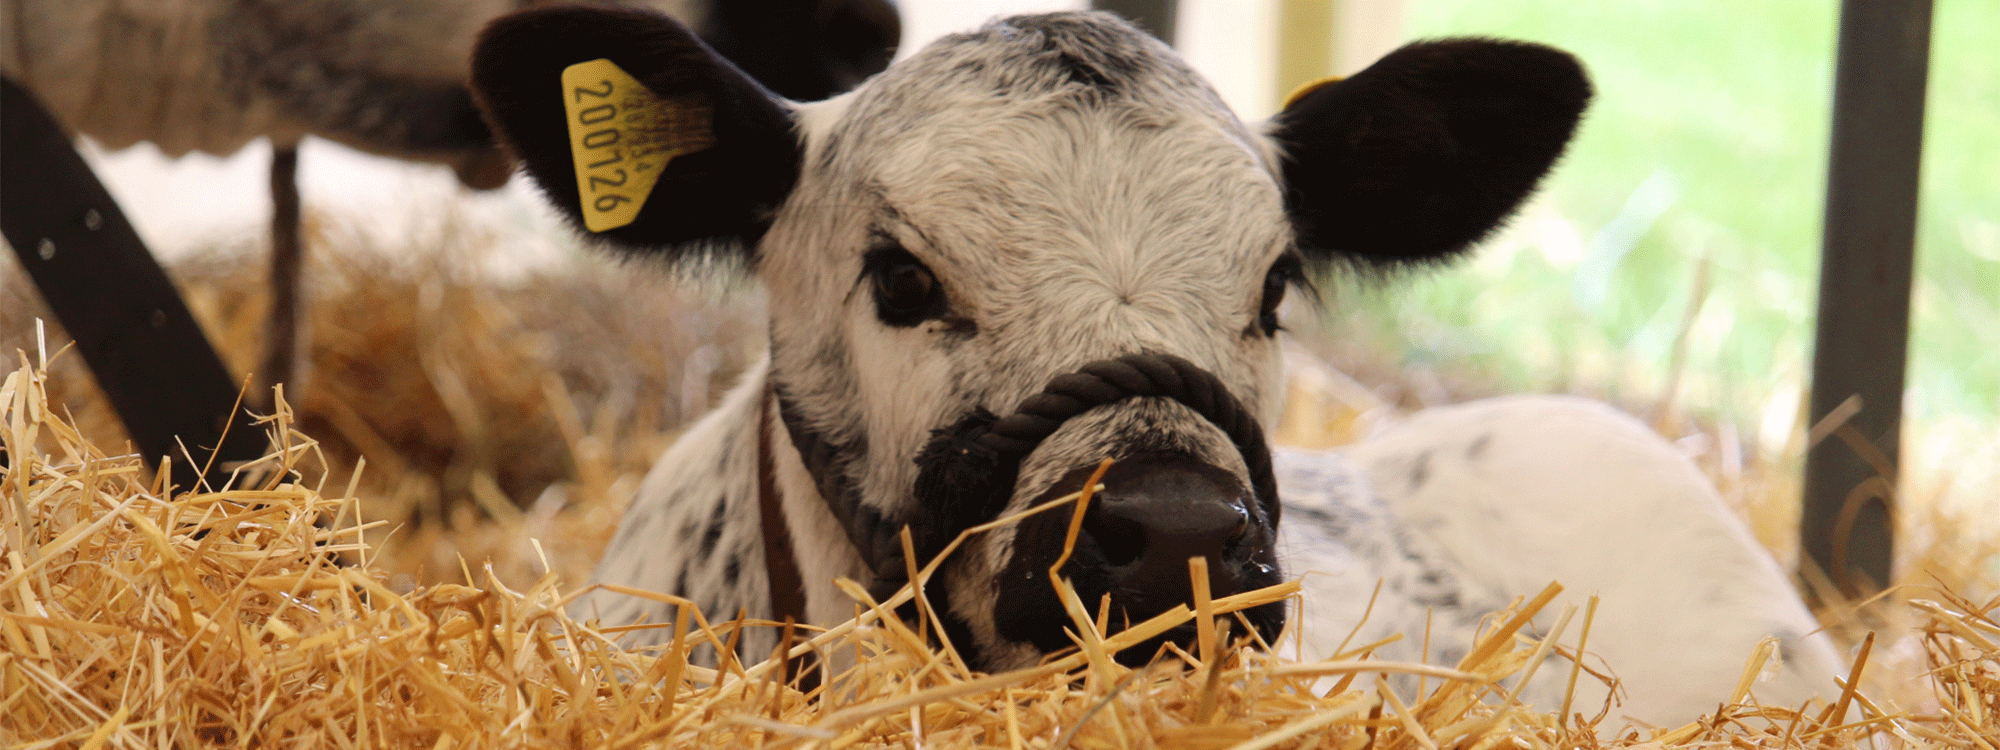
{"x": 621, "y": 138}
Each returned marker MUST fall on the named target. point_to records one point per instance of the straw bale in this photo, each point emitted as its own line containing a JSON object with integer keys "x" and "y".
{"x": 135, "y": 617}
{"x": 490, "y": 407}
{"x": 494, "y": 406}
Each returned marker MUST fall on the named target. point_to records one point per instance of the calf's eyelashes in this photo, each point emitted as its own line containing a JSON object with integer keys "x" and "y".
{"x": 1284, "y": 273}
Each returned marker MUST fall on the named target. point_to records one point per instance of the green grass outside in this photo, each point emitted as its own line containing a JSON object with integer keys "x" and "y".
{"x": 1704, "y": 156}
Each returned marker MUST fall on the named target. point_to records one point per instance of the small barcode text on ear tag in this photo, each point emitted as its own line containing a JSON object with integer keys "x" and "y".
{"x": 621, "y": 137}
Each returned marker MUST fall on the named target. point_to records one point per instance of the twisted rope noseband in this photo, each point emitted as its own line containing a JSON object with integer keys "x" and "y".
{"x": 967, "y": 471}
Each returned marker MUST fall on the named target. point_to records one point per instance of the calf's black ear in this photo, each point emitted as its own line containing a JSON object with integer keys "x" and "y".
{"x": 1427, "y": 150}
{"x": 805, "y": 50}
{"x": 635, "y": 130}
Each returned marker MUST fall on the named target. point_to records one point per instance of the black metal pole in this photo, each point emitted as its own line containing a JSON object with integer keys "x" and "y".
{"x": 149, "y": 355}
{"x": 1864, "y": 303}
{"x": 1155, "y": 16}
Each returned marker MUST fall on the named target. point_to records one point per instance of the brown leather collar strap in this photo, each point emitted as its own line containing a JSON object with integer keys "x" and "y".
{"x": 788, "y": 591}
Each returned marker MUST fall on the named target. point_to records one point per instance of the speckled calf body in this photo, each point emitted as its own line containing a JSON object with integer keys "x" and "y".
{"x": 1009, "y": 204}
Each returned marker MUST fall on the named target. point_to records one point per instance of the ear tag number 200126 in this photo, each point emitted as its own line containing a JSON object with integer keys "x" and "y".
{"x": 621, "y": 136}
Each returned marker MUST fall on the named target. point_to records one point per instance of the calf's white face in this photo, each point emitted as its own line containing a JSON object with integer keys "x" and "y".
{"x": 1012, "y": 204}
{"x": 957, "y": 240}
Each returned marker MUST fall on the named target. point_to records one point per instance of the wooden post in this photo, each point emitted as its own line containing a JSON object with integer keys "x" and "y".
{"x": 1864, "y": 303}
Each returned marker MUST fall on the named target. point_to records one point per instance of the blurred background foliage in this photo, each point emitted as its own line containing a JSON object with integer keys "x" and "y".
{"x": 1674, "y": 253}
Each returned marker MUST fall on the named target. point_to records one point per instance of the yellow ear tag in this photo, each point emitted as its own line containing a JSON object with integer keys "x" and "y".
{"x": 1307, "y": 88}
{"x": 621, "y": 137}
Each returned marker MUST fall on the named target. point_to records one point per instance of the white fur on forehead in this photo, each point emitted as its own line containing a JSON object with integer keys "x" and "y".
{"x": 1165, "y": 232}
{"x": 1029, "y": 66}
{"x": 1066, "y": 149}
{"x": 1022, "y": 57}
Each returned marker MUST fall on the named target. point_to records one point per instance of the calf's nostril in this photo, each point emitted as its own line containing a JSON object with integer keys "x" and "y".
{"x": 1158, "y": 512}
{"x": 1121, "y": 540}
{"x": 1153, "y": 512}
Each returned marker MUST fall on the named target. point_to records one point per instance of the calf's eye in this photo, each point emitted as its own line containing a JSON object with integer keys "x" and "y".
{"x": 906, "y": 292}
{"x": 1276, "y": 280}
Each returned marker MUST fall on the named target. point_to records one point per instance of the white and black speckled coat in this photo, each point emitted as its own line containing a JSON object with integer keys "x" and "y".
{"x": 1460, "y": 509}
{"x": 1061, "y": 189}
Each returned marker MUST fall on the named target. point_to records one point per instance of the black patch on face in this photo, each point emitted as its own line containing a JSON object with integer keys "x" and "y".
{"x": 960, "y": 635}
{"x": 960, "y": 482}
{"x": 731, "y": 571}
{"x": 1028, "y": 609}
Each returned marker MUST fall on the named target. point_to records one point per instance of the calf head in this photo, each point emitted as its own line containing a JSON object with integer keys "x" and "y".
{"x": 1053, "y": 221}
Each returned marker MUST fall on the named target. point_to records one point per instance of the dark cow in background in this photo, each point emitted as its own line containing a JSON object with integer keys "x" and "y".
{"x": 387, "y": 77}
{"x": 1047, "y": 242}
{"x": 383, "y": 76}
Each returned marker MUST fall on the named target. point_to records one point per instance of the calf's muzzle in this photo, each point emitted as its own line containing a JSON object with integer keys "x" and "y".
{"x": 1155, "y": 512}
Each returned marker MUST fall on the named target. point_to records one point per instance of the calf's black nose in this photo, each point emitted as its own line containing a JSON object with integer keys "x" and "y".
{"x": 1156, "y": 512}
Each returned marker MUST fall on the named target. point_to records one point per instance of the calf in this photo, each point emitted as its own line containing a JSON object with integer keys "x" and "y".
{"x": 1047, "y": 242}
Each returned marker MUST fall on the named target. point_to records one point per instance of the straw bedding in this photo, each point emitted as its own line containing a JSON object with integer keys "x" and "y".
{"x": 494, "y": 414}
{"x": 489, "y": 409}
{"x": 133, "y": 617}
{"x": 497, "y": 407}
